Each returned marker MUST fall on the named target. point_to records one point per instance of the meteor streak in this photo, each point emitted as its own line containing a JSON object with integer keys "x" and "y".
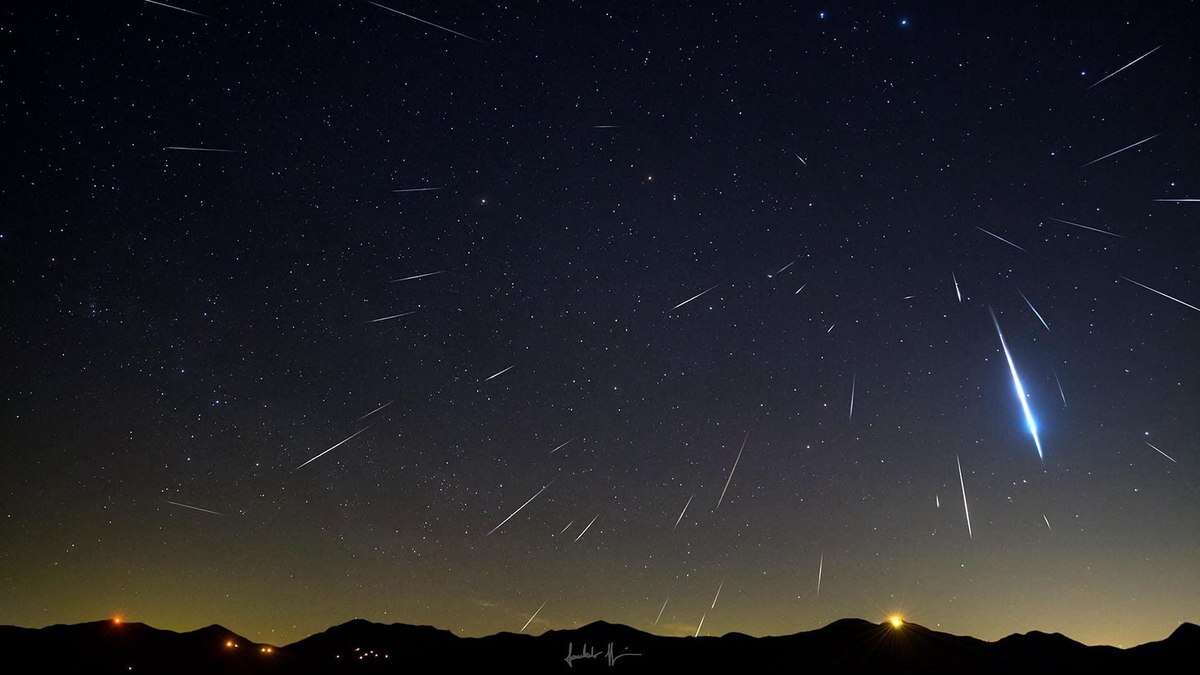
{"x": 693, "y": 297}
{"x": 1047, "y": 522}
{"x": 589, "y": 526}
{"x": 394, "y": 316}
{"x": 567, "y": 527}
{"x": 420, "y": 189}
{"x": 685, "y": 508}
{"x": 1085, "y": 227}
{"x": 332, "y": 447}
{"x": 701, "y": 625}
{"x": 1022, "y": 397}
{"x": 1035, "y": 312}
{"x": 661, "y": 610}
{"x": 374, "y": 411}
{"x": 194, "y": 149}
{"x": 531, "y": 618}
{"x": 735, "y": 463}
{"x": 498, "y": 374}
{"x": 802, "y": 160}
{"x": 719, "y": 587}
{"x": 561, "y": 446}
{"x": 799, "y": 289}
{"x": 1162, "y": 294}
{"x": 194, "y": 508}
{"x": 966, "y": 509}
{"x": 178, "y": 9}
{"x": 1124, "y": 67}
{"x": 1117, "y": 152}
{"x": 417, "y": 276}
{"x": 1178, "y": 201}
{"x": 1060, "y": 389}
{"x": 957, "y": 292}
{"x": 830, "y": 329}
{"x": 510, "y": 516}
{"x": 781, "y": 270}
{"x": 820, "y": 570}
{"x": 1160, "y": 451}
{"x": 427, "y": 23}
{"x": 992, "y": 234}
{"x": 853, "y": 383}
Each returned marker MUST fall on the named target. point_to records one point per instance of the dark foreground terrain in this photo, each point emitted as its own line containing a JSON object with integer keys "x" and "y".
{"x": 849, "y": 645}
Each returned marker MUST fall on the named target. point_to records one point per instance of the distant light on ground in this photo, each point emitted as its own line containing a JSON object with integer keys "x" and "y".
{"x": 896, "y": 620}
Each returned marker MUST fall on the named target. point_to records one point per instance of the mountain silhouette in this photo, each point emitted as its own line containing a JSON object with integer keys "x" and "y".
{"x": 360, "y": 646}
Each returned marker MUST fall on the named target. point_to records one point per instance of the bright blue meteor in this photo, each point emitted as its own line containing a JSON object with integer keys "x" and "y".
{"x": 1021, "y": 395}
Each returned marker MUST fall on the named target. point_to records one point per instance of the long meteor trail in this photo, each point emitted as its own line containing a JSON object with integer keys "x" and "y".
{"x": 693, "y": 297}
{"x": 1117, "y": 152}
{"x": 1086, "y": 227}
{"x": 1034, "y": 309}
{"x": 993, "y": 234}
{"x": 510, "y": 516}
{"x": 532, "y": 617}
{"x": 735, "y": 463}
{"x": 332, "y": 447}
{"x": 966, "y": 509}
{"x": 1022, "y": 397}
{"x": 685, "y": 508}
{"x": 1125, "y": 66}
{"x": 1162, "y": 294}
{"x": 427, "y": 23}
{"x": 197, "y": 508}
{"x": 1160, "y": 451}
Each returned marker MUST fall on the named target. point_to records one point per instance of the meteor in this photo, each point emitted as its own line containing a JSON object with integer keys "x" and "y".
{"x": 1022, "y": 397}
{"x": 830, "y": 329}
{"x": 1125, "y": 66}
{"x": 1085, "y": 227}
{"x": 567, "y": 527}
{"x": 719, "y": 587}
{"x": 589, "y": 526}
{"x": 1162, "y": 294}
{"x": 394, "y": 316}
{"x": 802, "y": 160}
{"x": 1160, "y": 451}
{"x": 957, "y": 292}
{"x": 799, "y": 289}
{"x": 693, "y": 297}
{"x": 195, "y": 149}
{"x": 1047, "y": 522}
{"x": 820, "y": 569}
{"x": 661, "y": 610}
{"x": 194, "y": 508}
{"x": 937, "y": 501}
{"x": 374, "y": 411}
{"x": 781, "y": 270}
{"x": 510, "y": 516}
{"x": 1178, "y": 201}
{"x": 417, "y": 276}
{"x": 332, "y": 447}
{"x": 420, "y": 189}
{"x": 966, "y": 509}
{"x": 561, "y": 446}
{"x": 701, "y": 625}
{"x": 498, "y": 374}
{"x": 685, "y": 508}
{"x": 735, "y": 463}
{"x": 178, "y": 9}
{"x": 853, "y": 383}
{"x": 531, "y": 618}
{"x": 1060, "y": 389}
{"x": 992, "y": 234}
{"x": 427, "y": 23}
{"x": 1035, "y": 312}
{"x": 1117, "y": 152}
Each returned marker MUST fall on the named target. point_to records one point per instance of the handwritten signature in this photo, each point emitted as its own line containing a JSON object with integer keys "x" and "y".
{"x": 587, "y": 653}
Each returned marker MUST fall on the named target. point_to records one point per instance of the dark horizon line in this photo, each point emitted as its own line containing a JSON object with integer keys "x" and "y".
{"x": 906, "y": 625}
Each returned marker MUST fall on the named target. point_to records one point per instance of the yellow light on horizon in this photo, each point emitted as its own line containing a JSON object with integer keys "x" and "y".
{"x": 117, "y": 621}
{"x": 896, "y": 620}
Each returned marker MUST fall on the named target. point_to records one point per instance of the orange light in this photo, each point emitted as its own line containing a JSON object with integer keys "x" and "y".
{"x": 896, "y": 620}
{"x": 117, "y": 621}
{"x": 230, "y": 644}
{"x": 266, "y": 649}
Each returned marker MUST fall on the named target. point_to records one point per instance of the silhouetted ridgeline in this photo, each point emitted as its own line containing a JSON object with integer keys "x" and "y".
{"x": 849, "y": 645}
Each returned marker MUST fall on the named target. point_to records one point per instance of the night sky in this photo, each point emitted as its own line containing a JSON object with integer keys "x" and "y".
{"x": 205, "y": 222}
